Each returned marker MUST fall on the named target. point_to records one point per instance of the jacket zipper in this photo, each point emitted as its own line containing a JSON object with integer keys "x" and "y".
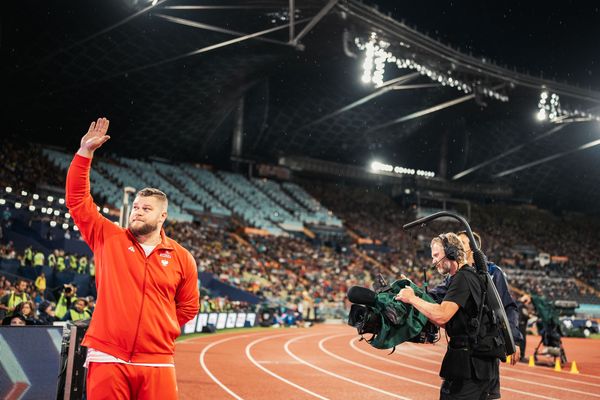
{"x": 137, "y": 329}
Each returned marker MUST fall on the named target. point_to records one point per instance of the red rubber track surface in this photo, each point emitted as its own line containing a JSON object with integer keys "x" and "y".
{"x": 329, "y": 362}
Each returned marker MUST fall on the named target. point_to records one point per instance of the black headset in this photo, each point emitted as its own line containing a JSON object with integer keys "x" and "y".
{"x": 452, "y": 252}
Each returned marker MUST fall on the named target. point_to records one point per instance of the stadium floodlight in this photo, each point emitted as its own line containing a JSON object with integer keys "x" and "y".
{"x": 8, "y": 189}
{"x": 61, "y": 201}
{"x": 31, "y": 208}
{"x": 50, "y": 198}
{"x": 17, "y": 205}
{"x": 23, "y": 193}
{"x": 53, "y": 223}
{"x": 105, "y": 210}
{"x": 49, "y": 210}
{"x": 65, "y": 226}
{"x": 380, "y": 167}
{"x": 550, "y": 108}
{"x": 541, "y": 115}
{"x": 377, "y": 56}
{"x": 43, "y": 210}
{"x": 36, "y": 196}
{"x": 56, "y": 212}
{"x": 67, "y": 215}
{"x": 75, "y": 228}
{"x": 2, "y": 201}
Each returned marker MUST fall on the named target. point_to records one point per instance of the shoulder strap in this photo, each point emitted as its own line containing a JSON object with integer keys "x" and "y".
{"x": 481, "y": 304}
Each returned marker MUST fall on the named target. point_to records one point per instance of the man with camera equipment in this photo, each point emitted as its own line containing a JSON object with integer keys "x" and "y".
{"x": 65, "y": 301}
{"x": 470, "y": 362}
{"x": 147, "y": 288}
{"x": 509, "y": 304}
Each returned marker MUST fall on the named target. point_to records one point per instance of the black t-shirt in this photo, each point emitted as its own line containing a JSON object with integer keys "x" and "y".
{"x": 459, "y": 292}
{"x": 463, "y": 287}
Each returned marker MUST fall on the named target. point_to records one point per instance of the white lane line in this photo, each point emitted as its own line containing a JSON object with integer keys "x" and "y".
{"x": 520, "y": 369}
{"x": 550, "y": 375}
{"x": 287, "y": 349}
{"x": 562, "y": 388}
{"x": 590, "y": 376}
{"x": 424, "y": 350}
{"x": 205, "y": 368}
{"x": 322, "y": 347}
{"x": 353, "y": 345}
{"x": 547, "y": 376}
{"x": 273, "y": 374}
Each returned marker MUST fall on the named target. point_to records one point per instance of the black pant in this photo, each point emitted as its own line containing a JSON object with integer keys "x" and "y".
{"x": 465, "y": 389}
{"x": 523, "y": 343}
{"x": 494, "y": 390}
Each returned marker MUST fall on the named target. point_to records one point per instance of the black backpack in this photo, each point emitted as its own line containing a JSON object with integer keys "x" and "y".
{"x": 484, "y": 333}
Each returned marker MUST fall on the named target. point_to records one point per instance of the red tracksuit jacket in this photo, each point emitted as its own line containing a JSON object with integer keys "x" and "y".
{"x": 142, "y": 301}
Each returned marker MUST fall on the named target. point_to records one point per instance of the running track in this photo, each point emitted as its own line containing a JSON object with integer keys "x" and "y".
{"x": 328, "y": 362}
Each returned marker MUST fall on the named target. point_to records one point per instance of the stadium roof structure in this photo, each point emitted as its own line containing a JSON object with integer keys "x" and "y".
{"x": 336, "y": 80}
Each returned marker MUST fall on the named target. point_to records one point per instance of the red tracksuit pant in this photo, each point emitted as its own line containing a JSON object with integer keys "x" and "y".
{"x": 130, "y": 382}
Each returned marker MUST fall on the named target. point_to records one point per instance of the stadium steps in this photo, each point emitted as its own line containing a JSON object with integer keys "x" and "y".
{"x": 243, "y": 242}
{"x": 581, "y": 284}
{"x": 352, "y": 234}
{"x": 319, "y": 214}
{"x": 310, "y": 234}
{"x": 238, "y": 205}
{"x": 274, "y": 191}
{"x": 182, "y": 189}
{"x": 382, "y": 268}
{"x": 263, "y": 206}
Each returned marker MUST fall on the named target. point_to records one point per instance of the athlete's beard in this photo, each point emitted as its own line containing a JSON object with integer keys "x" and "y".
{"x": 145, "y": 229}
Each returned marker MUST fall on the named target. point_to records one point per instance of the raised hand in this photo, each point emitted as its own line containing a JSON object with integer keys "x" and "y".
{"x": 94, "y": 138}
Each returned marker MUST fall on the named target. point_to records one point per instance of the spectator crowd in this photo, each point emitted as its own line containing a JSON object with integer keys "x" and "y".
{"x": 543, "y": 253}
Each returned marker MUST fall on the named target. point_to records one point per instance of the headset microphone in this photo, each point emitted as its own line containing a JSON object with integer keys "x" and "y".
{"x": 435, "y": 264}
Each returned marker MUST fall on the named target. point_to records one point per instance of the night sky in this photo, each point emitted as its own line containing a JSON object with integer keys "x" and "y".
{"x": 559, "y": 39}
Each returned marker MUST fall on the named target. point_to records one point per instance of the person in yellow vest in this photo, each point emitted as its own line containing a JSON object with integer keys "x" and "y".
{"x": 28, "y": 256}
{"x": 52, "y": 259}
{"x": 83, "y": 263}
{"x": 78, "y": 311}
{"x": 65, "y": 301}
{"x": 91, "y": 304}
{"x": 38, "y": 259}
{"x": 73, "y": 262}
{"x": 40, "y": 283}
{"x": 9, "y": 301}
{"x": 60, "y": 262}
{"x": 92, "y": 268}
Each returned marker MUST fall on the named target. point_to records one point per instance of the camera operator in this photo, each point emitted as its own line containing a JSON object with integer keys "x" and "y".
{"x": 467, "y": 374}
{"x": 510, "y": 306}
{"x": 66, "y": 300}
